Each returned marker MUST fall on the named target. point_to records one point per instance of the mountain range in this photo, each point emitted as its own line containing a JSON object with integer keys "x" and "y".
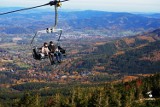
{"x": 107, "y": 23}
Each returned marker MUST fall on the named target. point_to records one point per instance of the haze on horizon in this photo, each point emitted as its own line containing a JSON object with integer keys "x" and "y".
{"x": 103, "y": 5}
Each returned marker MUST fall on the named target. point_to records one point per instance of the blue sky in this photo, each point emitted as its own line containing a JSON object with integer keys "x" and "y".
{"x": 105, "y": 5}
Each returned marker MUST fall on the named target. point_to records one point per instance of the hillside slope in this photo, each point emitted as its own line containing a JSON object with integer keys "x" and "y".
{"x": 85, "y": 95}
{"x": 130, "y": 55}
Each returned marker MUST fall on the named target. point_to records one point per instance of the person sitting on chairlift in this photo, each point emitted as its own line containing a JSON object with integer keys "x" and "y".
{"x": 51, "y": 48}
{"x": 45, "y": 50}
{"x": 55, "y": 51}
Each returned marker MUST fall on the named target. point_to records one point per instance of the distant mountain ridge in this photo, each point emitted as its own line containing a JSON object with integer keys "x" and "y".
{"x": 109, "y": 22}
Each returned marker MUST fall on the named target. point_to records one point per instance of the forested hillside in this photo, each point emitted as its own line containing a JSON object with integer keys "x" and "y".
{"x": 121, "y": 94}
{"x": 129, "y": 55}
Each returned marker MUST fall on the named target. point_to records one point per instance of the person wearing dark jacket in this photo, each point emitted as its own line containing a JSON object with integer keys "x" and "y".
{"x": 55, "y": 52}
{"x": 51, "y": 48}
{"x": 46, "y": 52}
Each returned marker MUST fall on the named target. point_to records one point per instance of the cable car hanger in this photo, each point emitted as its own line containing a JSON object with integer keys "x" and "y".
{"x": 52, "y": 29}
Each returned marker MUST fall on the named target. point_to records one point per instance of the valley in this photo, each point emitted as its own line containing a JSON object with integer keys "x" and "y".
{"x": 105, "y": 50}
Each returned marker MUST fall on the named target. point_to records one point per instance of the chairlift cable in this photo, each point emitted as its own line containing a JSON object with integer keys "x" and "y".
{"x": 24, "y": 9}
{"x": 51, "y": 3}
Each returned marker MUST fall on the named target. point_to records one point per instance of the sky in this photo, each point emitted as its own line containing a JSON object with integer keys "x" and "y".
{"x": 104, "y": 5}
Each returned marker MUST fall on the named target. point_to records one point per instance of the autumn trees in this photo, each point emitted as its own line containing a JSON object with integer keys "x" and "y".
{"x": 122, "y": 94}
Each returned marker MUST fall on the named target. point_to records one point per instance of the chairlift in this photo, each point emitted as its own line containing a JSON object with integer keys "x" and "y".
{"x": 36, "y": 50}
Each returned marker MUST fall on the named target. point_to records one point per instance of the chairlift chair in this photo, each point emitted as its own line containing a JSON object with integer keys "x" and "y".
{"x": 36, "y": 50}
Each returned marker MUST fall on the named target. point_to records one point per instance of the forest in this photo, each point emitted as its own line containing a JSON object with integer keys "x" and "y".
{"x": 128, "y": 55}
{"x": 120, "y": 94}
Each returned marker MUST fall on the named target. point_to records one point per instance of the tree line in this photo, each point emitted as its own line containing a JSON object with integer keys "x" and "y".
{"x": 128, "y": 94}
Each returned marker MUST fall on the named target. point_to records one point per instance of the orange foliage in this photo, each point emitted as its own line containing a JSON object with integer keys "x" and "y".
{"x": 148, "y": 38}
{"x": 99, "y": 43}
{"x": 141, "y": 46}
{"x": 155, "y": 56}
{"x": 129, "y": 41}
{"x": 129, "y": 78}
{"x": 119, "y": 53}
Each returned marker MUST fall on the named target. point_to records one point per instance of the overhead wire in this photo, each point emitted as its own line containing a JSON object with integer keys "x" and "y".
{"x": 24, "y": 9}
{"x": 51, "y": 3}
